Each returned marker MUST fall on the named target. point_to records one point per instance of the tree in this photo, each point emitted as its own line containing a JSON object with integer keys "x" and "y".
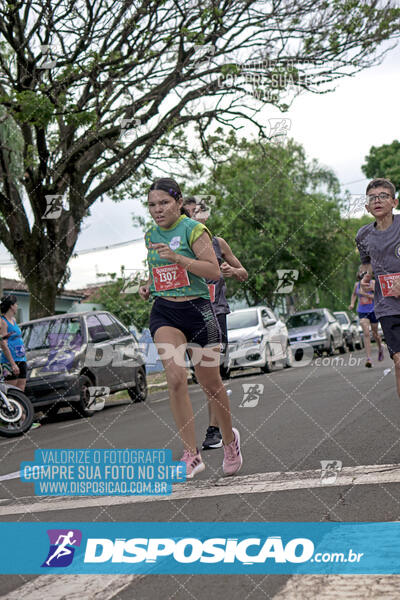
{"x": 336, "y": 295}
{"x": 278, "y": 210}
{"x": 100, "y": 92}
{"x": 120, "y": 298}
{"x": 384, "y": 161}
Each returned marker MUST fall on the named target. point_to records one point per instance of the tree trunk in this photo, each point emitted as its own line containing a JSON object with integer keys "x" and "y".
{"x": 43, "y": 292}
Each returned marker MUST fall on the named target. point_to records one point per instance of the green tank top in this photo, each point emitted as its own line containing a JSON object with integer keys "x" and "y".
{"x": 180, "y": 237}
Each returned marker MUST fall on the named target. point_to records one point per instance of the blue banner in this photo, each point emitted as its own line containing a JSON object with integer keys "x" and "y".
{"x": 195, "y": 548}
{"x": 103, "y": 472}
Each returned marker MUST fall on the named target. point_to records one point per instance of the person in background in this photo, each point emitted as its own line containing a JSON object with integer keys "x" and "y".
{"x": 13, "y": 358}
{"x": 230, "y": 266}
{"x": 365, "y": 311}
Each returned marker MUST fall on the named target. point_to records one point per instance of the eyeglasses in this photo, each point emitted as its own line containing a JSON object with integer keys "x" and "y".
{"x": 381, "y": 196}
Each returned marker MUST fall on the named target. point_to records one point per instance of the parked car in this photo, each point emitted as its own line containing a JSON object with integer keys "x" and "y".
{"x": 349, "y": 325}
{"x": 257, "y": 338}
{"x": 74, "y": 357}
{"x": 317, "y": 328}
{"x": 360, "y": 330}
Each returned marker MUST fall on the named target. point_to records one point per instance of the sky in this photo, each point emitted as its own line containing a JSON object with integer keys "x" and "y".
{"x": 338, "y": 129}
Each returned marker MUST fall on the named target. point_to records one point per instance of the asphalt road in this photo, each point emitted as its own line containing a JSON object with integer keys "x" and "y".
{"x": 334, "y": 411}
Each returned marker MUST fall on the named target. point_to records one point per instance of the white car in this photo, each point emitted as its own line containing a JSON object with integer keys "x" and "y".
{"x": 257, "y": 338}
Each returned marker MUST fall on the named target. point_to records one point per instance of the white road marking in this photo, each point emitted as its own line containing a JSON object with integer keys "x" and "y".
{"x": 73, "y": 587}
{"x": 167, "y": 397}
{"x": 332, "y": 587}
{"x": 159, "y": 400}
{"x": 257, "y": 483}
{"x": 82, "y": 422}
{"x": 14, "y": 475}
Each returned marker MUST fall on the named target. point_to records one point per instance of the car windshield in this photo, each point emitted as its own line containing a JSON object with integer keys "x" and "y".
{"x": 341, "y": 318}
{"x": 305, "y": 320}
{"x": 54, "y": 333}
{"x": 240, "y": 320}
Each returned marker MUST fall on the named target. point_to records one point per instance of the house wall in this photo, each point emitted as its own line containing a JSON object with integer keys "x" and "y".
{"x": 62, "y": 305}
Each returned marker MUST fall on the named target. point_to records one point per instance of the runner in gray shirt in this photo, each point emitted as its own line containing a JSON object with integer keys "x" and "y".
{"x": 379, "y": 247}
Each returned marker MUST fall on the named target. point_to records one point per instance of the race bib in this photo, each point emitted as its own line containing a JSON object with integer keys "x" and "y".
{"x": 169, "y": 277}
{"x": 211, "y": 289}
{"x": 364, "y": 300}
{"x": 386, "y": 283}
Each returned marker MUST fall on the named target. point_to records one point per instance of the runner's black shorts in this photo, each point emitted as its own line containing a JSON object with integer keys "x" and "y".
{"x": 370, "y": 315}
{"x": 195, "y": 318}
{"x": 391, "y": 332}
{"x": 22, "y": 370}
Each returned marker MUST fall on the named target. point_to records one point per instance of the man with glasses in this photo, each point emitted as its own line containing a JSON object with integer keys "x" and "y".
{"x": 379, "y": 247}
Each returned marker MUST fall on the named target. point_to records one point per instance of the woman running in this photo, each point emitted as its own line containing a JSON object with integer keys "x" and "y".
{"x": 180, "y": 258}
{"x": 365, "y": 311}
{"x": 13, "y": 356}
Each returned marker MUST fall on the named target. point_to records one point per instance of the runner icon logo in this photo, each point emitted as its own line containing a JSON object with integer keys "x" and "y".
{"x": 329, "y": 471}
{"x": 251, "y": 394}
{"x": 279, "y": 127}
{"x": 98, "y": 395}
{"x": 62, "y": 547}
{"x": 287, "y": 278}
{"x": 54, "y": 206}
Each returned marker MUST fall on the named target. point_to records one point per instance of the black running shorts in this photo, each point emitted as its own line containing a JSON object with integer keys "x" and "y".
{"x": 391, "y": 332}
{"x": 195, "y": 318}
{"x": 22, "y": 371}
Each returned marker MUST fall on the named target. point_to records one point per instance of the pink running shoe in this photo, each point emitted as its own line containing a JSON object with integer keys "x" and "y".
{"x": 380, "y": 355}
{"x": 233, "y": 459}
{"x": 193, "y": 462}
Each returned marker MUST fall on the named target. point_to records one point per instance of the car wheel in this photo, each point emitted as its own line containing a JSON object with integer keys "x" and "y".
{"x": 80, "y": 409}
{"x": 350, "y": 345}
{"x": 343, "y": 347}
{"x": 267, "y": 367}
{"x": 139, "y": 392}
{"x": 289, "y": 360}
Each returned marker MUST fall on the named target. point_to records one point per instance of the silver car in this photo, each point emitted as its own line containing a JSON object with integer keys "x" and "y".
{"x": 257, "y": 338}
{"x": 350, "y": 329}
{"x": 317, "y": 328}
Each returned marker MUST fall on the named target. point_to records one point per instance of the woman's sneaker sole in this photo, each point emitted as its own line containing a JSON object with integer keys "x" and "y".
{"x": 198, "y": 469}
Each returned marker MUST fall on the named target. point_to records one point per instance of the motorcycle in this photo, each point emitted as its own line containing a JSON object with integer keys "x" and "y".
{"x": 16, "y": 411}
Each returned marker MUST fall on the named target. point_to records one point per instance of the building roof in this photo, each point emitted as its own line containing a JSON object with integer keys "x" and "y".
{"x": 19, "y": 286}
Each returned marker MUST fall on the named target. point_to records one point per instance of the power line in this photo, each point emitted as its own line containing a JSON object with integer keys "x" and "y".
{"x": 107, "y": 247}
{"x": 89, "y": 250}
{"x": 356, "y": 181}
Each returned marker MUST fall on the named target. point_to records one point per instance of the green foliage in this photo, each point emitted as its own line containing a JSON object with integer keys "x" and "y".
{"x": 277, "y": 210}
{"x": 77, "y": 119}
{"x": 384, "y": 161}
{"x": 129, "y": 308}
{"x": 33, "y": 108}
{"x": 71, "y": 114}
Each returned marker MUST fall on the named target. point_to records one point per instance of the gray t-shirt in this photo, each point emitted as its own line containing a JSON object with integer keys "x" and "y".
{"x": 382, "y": 250}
